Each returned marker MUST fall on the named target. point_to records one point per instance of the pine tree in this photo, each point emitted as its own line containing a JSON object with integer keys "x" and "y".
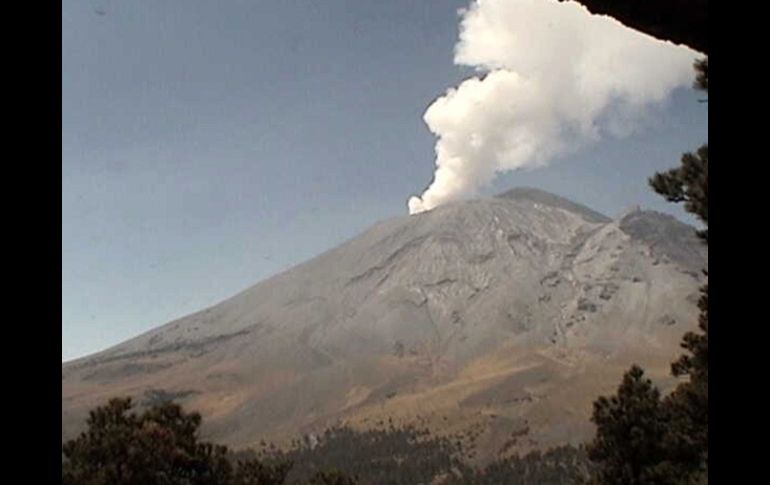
{"x": 157, "y": 447}
{"x": 687, "y": 406}
{"x": 630, "y": 430}
{"x": 670, "y": 444}
{"x": 688, "y": 183}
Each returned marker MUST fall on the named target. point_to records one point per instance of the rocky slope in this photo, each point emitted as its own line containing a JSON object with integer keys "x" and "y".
{"x": 500, "y": 319}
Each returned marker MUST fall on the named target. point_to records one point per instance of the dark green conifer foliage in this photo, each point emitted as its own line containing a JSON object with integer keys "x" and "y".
{"x": 687, "y": 406}
{"x": 255, "y": 472}
{"x": 160, "y": 446}
{"x": 157, "y": 447}
{"x": 563, "y": 465}
{"x": 387, "y": 455}
{"x": 688, "y": 183}
{"x": 630, "y": 430}
{"x": 333, "y": 477}
{"x": 672, "y": 444}
{"x": 702, "y": 74}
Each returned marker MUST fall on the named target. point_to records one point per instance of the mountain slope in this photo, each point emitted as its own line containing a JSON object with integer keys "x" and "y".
{"x": 506, "y": 315}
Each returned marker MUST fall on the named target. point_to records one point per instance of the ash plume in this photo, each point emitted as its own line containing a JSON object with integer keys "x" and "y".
{"x": 552, "y": 78}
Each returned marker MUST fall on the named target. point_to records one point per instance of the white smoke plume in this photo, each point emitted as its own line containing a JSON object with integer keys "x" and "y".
{"x": 553, "y": 77}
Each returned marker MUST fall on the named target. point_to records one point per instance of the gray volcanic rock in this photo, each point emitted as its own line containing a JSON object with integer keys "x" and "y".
{"x": 668, "y": 238}
{"x": 537, "y": 196}
{"x": 492, "y": 312}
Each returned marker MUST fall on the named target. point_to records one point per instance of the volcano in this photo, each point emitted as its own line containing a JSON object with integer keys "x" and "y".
{"x": 505, "y": 315}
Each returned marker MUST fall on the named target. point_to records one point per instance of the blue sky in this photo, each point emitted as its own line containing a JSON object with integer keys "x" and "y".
{"x": 208, "y": 145}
